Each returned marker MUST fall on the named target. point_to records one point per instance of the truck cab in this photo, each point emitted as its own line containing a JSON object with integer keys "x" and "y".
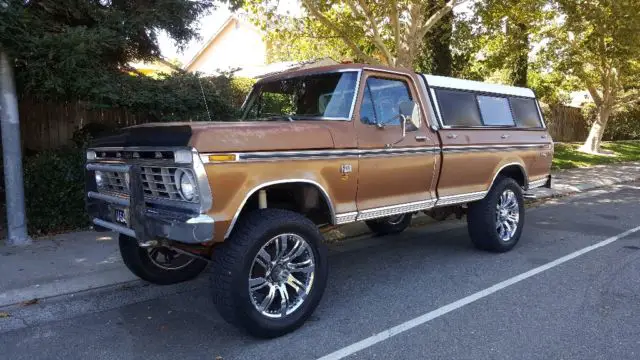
{"x": 314, "y": 149}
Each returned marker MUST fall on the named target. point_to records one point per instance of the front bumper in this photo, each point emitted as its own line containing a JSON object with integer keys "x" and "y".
{"x": 142, "y": 222}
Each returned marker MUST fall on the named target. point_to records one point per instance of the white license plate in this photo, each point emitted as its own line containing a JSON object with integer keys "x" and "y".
{"x": 121, "y": 216}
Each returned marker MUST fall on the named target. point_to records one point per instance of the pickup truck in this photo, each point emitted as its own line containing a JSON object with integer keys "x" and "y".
{"x": 314, "y": 149}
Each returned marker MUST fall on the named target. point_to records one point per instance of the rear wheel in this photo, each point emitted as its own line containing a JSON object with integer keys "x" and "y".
{"x": 159, "y": 265}
{"x": 390, "y": 225}
{"x": 496, "y": 222}
{"x": 269, "y": 276}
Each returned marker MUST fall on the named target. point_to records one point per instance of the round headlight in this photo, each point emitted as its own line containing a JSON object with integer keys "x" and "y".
{"x": 187, "y": 184}
{"x": 100, "y": 179}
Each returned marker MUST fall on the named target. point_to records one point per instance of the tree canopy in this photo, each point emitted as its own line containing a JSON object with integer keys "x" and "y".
{"x": 73, "y": 48}
{"x": 598, "y": 43}
{"x": 373, "y": 31}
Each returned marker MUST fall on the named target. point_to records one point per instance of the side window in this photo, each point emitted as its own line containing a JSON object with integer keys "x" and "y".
{"x": 495, "y": 111}
{"x": 525, "y": 112}
{"x": 381, "y": 101}
{"x": 458, "y": 108}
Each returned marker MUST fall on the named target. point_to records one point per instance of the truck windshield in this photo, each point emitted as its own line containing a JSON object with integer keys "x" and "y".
{"x": 323, "y": 96}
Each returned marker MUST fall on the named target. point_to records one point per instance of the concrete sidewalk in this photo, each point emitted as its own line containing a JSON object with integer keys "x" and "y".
{"x": 80, "y": 261}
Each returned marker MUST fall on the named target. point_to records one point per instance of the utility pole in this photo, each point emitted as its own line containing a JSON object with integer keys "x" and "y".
{"x": 12, "y": 156}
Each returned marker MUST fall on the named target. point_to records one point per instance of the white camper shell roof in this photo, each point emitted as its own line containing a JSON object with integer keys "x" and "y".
{"x": 469, "y": 85}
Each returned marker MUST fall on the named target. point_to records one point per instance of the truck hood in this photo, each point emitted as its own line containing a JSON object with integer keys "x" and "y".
{"x": 224, "y": 136}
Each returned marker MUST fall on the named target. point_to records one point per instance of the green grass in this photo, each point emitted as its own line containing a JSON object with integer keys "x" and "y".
{"x": 567, "y": 156}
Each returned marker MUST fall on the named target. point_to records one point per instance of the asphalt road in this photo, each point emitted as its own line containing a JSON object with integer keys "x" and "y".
{"x": 582, "y": 307}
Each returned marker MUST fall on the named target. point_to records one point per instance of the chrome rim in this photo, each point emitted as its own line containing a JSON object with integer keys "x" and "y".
{"x": 507, "y": 215}
{"x": 168, "y": 259}
{"x": 281, "y": 275}
{"x": 395, "y": 220}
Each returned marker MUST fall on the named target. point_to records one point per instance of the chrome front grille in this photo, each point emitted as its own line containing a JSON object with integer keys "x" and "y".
{"x": 158, "y": 182}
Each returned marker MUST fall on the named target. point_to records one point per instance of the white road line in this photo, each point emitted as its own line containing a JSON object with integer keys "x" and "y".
{"x": 422, "y": 319}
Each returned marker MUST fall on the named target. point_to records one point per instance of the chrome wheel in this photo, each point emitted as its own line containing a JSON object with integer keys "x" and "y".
{"x": 281, "y": 275}
{"x": 507, "y": 215}
{"x": 168, "y": 259}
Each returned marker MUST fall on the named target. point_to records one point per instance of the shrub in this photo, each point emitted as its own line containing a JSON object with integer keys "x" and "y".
{"x": 54, "y": 191}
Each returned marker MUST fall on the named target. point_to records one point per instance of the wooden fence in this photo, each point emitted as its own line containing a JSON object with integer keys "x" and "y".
{"x": 46, "y": 125}
{"x": 566, "y": 124}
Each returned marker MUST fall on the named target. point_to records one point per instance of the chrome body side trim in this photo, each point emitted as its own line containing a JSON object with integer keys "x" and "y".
{"x": 380, "y": 152}
{"x": 284, "y": 181}
{"x": 394, "y": 210}
{"x": 346, "y": 218}
{"x": 460, "y": 198}
{"x": 538, "y": 183}
{"x": 321, "y": 154}
{"x": 482, "y": 148}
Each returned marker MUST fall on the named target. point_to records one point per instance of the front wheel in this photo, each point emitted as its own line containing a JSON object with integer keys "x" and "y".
{"x": 159, "y": 265}
{"x": 496, "y": 222}
{"x": 269, "y": 276}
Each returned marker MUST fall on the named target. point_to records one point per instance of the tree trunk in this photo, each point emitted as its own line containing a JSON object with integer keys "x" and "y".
{"x": 592, "y": 144}
{"x": 435, "y": 56}
{"x": 439, "y": 39}
{"x": 519, "y": 34}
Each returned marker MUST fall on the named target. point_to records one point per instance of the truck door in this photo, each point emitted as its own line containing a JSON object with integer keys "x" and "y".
{"x": 394, "y": 172}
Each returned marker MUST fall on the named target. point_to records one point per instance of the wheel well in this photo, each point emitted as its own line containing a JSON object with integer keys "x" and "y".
{"x": 516, "y": 173}
{"x": 304, "y": 198}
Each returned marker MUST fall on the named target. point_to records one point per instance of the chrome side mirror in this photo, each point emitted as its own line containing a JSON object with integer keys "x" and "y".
{"x": 409, "y": 112}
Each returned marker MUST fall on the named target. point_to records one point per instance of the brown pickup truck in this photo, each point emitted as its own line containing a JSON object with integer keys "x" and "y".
{"x": 314, "y": 149}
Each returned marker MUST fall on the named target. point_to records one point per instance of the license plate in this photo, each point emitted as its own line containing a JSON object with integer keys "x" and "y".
{"x": 121, "y": 216}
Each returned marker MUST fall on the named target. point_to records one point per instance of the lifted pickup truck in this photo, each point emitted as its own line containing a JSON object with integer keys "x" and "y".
{"x": 314, "y": 148}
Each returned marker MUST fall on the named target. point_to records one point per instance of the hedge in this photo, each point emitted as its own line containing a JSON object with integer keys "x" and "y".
{"x": 54, "y": 190}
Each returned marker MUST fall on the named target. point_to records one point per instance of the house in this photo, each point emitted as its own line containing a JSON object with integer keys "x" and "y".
{"x": 154, "y": 69}
{"x": 239, "y": 46}
{"x": 579, "y": 98}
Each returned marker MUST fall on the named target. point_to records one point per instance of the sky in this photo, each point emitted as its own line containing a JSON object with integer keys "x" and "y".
{"x": 209, "y": 25}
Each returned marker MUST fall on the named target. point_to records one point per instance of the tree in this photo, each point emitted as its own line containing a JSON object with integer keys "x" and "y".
{"x": 436, "y": 55}
{"x": 71, "y": 48}
{"x": 375, "y": 31}
{"x": 507, "y": 28}
{"x": 598, "y": 42}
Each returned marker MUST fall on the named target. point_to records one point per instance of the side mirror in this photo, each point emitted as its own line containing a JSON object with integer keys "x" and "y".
{"x": 409, "y": 110}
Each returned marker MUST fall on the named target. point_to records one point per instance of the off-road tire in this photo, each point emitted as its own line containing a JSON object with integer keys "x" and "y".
{"x": 389, "y": 225}
{"x": 481, "y": 217}
{"x": 138, "y": 261}
{"x": 232, "y": 262}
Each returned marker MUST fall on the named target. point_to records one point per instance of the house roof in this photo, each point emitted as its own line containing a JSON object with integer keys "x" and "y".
{"x": 233, "y": 17}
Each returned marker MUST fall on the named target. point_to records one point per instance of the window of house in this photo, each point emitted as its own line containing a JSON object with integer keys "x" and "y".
{"x": 495, "y": 111}
{"x": 458, "y": 108}
{"x": 525, "y": 112}
{"x": 381, "y": 101}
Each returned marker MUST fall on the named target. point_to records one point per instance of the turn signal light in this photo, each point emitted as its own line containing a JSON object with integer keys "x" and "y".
{"x": 222, "y": 157}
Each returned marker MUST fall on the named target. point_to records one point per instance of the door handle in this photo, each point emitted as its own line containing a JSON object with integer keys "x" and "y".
{"x": 452, "y": 136}
{"x": 421, "y": 138}
{"x": 504, "y": 136}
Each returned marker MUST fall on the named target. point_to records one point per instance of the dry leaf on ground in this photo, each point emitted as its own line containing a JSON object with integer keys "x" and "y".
{"x": 30, "y": 302}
